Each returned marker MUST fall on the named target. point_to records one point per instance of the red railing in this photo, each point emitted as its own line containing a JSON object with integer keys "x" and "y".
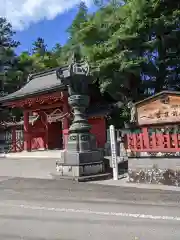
{"x": 155, "y": 142}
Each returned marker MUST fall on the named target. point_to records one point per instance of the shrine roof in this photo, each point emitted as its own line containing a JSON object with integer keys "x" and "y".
{"x": 157, "y": 95}
{"x": 38, "y": 83}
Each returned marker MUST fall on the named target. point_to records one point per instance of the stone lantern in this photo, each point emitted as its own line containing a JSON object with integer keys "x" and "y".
{"x": 81, "y": 158}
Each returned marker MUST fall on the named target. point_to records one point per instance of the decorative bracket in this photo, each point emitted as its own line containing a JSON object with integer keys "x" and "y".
{"x": 56, "y": 116}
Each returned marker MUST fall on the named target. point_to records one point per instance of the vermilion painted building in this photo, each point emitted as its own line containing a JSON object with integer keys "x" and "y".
{"x": 47, "y": 115}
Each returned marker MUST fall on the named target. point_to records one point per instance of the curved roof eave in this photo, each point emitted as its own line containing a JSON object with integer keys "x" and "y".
{"x": 39, "y": 83}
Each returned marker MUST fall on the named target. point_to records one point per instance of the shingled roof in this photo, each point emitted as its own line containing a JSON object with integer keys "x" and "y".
{"x": 38, "y": 83}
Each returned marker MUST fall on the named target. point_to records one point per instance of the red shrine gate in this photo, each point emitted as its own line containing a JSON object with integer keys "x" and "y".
{"x": 47, "y": 115}
{"x": 45, "y": 123}
{"x": 157, "y": 125}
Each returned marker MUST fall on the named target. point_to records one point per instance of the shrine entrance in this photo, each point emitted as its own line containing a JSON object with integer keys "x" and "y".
{"x": 56, "y": 119}
{"x": 55, "y": 136}
{"x": 46, "y": 133}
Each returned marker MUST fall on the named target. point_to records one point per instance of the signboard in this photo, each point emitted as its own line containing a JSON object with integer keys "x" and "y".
{"x": 113, "y": 152}
{"x": 156, "y": 111}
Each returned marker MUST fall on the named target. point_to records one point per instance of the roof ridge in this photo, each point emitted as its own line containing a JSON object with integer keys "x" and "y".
{"x": 157, "y": 95}
{"x": 46, "y": 72}
{"x": 42, "y": 73}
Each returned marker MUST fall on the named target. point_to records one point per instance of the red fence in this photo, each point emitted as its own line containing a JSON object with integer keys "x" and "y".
{"x": 153, "y": 142}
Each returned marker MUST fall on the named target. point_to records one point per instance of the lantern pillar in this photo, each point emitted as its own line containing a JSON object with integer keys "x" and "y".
{"x": 81, "y": 157}
{"x": 65, "y": 121}
{"x": 27, "y": 137}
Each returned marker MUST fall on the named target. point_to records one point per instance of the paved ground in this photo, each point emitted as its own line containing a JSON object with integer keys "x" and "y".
{"x": 124, "y": 183}
{"x": 64, "y": 210}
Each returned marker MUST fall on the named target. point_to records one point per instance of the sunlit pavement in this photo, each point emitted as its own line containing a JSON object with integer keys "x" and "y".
{"x": 65, "y": 210}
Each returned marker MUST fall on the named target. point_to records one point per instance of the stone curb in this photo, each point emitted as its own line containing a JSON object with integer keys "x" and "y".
{"x": 121, "y": 183}
{"x": 29, "y": 157}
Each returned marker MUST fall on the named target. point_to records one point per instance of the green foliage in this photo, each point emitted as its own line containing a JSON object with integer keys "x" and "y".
{"x": 73, "y": 44}
{"x": 7, "y": 55}
{"x": 133, "y": 49}
{"x": 39, "y": 47}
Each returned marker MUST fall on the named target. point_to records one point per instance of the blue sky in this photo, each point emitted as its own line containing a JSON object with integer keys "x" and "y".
{"x": 53, "y": 31}
{"x": 47, "y": 19}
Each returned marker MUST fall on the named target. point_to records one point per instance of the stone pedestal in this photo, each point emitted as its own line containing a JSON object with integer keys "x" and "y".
{"x": 81, "y": 157}
{"x": 77, "y": 164}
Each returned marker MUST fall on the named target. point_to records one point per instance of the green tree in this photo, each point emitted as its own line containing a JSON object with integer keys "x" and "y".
{"x": 59, "y": 55}
{"x": 39, "y": 47}
{"x": 165, "y": 34}
{"x": 73, "y": 44}
{"x": 7, "y": 54}
{"x": 160, "y": 45}
{"x": 111, "y": 48}
{"x": 41, "y": 57}
{"x": 81, "y": 17}
{"x": 135, "y": 45}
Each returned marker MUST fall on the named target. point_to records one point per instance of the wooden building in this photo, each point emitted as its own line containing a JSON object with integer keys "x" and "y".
{"x": 47, "y": 114}
{"x": 157, "y": 124}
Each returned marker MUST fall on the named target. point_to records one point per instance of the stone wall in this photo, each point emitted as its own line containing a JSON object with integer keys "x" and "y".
{"x": 149, "y": 162}
{"x": 154, "y": 171}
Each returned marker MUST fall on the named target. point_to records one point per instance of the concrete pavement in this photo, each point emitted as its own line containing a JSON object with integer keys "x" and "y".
{"x": 123, "y": 183}
{"x": 35, "y": 209}
{"x": 44, "y": 168}
{"x": 41, "y": 168}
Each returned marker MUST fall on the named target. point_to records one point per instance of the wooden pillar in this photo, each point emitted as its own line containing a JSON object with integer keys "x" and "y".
{"x": 27, "y": 137}
{"x": 175, "y": 144}
{"x": 129, "y": 140}
{"x": 141, "y": 143}
{"x": 167, "y": 142}
{"x": 134, "y": 137}
{"x": 65, "y": 122}
{"x": 44, "y": 122}
{"x": 154, "y": 142}
{"x": 145, "y": 137}
{"x": 14, "y": 139}
{"x": 46, "y": 140}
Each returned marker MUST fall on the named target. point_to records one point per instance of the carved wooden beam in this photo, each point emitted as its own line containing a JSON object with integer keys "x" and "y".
{"x": 40, "y": 100}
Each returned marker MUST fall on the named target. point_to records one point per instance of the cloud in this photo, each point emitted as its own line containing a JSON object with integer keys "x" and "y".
{"x": 21, "y": 13}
